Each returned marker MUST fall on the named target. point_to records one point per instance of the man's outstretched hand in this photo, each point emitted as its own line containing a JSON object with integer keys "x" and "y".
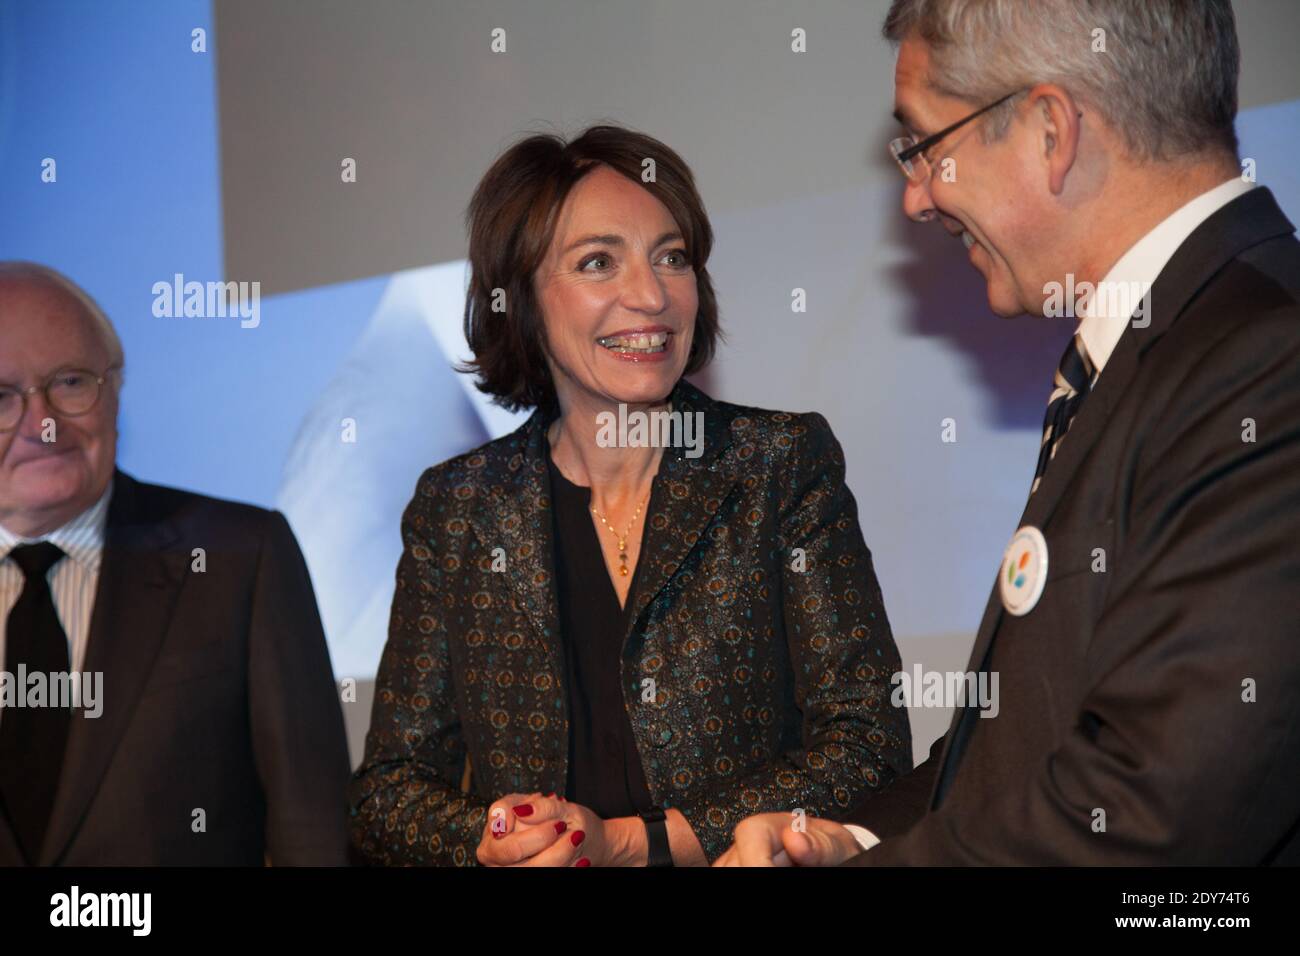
{"x": 767, "y": 839}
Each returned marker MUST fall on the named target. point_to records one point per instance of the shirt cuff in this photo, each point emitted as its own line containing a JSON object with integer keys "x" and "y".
{"x": 866, "y": 839}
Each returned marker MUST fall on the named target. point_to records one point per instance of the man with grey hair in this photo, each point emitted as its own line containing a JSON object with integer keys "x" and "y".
{"x": 1144, "y": 621}
{"x": 203, "y": 725}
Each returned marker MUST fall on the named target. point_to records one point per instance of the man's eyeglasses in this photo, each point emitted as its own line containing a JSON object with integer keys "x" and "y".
{"x": 910, "y": 155}
{"x": 69, "y": 391}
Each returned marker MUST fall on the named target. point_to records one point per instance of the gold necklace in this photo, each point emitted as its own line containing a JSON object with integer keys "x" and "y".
{"x": 622, "y": 540}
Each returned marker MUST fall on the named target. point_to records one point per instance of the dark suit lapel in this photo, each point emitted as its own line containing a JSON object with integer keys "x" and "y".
{"x": 1084, "y": 432}
{"x": 136, "y": 594}
{"x": 1074, "y": 449}
{"x": 1246, "y": 221}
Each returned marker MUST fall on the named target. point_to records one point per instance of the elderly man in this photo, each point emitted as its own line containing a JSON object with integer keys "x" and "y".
{"x": 167, "y": 695}
{"x": 1145, "y": 623}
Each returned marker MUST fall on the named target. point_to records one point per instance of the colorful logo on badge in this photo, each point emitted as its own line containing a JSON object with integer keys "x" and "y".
{"x": 1016, "y": 571}
{"x": 1025, "y": 561}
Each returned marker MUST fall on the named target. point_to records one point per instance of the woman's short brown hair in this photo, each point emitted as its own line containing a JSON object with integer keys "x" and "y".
{"x": 511, "y": 222}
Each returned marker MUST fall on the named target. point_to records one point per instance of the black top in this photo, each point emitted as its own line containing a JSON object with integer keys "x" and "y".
{"x": 605, "y": 772}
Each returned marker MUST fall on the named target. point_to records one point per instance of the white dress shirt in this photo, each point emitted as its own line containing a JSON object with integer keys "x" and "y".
{"x": 1101, "y": 324}
{"x": 72, "y": 579}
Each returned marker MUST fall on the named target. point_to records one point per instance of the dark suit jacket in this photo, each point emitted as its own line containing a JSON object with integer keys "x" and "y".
{"x": 1122, "y": 690}
{"x": 772, "y": 685}
{"x": 217, "y": 695}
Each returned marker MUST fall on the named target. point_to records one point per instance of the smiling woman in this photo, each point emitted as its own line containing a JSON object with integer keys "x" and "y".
{"x": 530, "y": 243}
{"x": 622, "y": 646}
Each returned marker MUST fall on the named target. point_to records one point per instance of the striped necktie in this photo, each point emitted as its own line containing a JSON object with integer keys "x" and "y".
{"x": 1074, "y": 378}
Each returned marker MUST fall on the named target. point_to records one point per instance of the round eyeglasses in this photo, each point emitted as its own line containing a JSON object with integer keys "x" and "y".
{"x": 69, "y": 391}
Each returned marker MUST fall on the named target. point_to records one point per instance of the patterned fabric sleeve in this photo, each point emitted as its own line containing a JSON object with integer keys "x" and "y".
{"x": 406, "y": 804}
{"x": 842, "y": 654}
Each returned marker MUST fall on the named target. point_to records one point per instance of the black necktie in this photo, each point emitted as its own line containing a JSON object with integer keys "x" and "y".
{"x": 32, "y": 738}
{"x": 1073, "y": 380}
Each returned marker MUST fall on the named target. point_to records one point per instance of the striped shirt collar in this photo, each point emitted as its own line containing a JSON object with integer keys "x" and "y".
{"x": 81, "y": 539}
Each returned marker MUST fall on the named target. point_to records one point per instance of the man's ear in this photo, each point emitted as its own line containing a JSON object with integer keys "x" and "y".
{"x": 1057, "y": 116}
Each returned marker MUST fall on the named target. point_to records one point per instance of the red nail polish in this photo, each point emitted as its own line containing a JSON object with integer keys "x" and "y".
{"x": 551, "y": 794}
{"x": 583, "y": 862}
{"x": 524, "y": 810}
{"x": 577, "y": 836}
{"x": 561, "y": 827}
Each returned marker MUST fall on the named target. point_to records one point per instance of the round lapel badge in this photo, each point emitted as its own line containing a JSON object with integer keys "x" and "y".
{"x": 1024, "y": 571}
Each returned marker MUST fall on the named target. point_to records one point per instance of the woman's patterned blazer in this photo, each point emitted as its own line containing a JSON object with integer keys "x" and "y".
{"x": 756, "y": 671}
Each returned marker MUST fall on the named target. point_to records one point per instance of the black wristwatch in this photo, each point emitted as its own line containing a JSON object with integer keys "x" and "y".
{"x": 656, "y": 833}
